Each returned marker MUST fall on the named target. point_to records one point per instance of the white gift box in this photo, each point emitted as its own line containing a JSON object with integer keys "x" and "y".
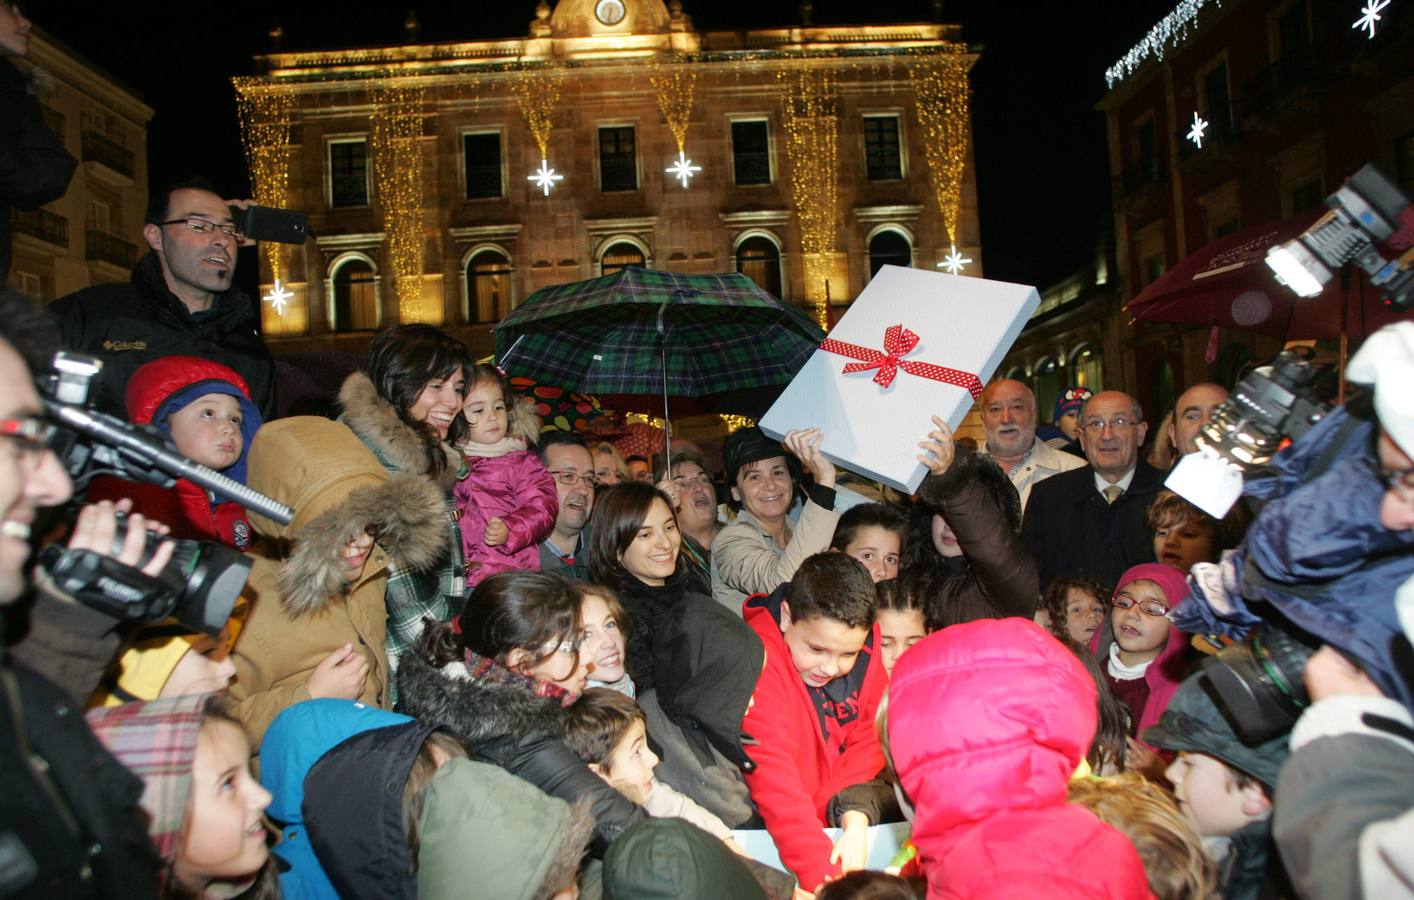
{"x": 962, "y": 325}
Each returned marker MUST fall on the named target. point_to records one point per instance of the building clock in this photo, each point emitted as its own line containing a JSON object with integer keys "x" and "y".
{"x": 609, "y": 12}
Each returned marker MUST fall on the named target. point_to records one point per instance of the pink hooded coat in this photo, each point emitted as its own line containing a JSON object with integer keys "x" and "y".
{"x": 1166, "y": 672}
{"x": 987, "y": 721}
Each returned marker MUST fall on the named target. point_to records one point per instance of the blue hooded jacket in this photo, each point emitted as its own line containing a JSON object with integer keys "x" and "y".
{"x": 297, "y": 739}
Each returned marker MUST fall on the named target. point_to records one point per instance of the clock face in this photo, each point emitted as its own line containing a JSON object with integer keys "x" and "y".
{"x": 610, "y": 12}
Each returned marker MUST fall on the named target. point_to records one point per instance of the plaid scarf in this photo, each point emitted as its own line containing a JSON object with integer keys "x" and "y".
{"x": 482, "y": 668}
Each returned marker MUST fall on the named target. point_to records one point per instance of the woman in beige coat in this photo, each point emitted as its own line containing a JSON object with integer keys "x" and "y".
{"x": 317, "y": 622}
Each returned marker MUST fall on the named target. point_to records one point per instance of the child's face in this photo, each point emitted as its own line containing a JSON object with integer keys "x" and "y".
{"x": 1209, "y": 795}
{"x": 1084, "y": 614}
{"x": 1138, "y": 633}
{"x": 1182, "y": 543}
{"x": 603, "y": 641}
{"x": 652, "y": 555}
{"x": 821, "y": 649}
{"x": 899, "y": 629}
{"x": 944, "y": 541}
{"x": 204, "y": 669}
{"x": 878, "y": 549}
{"x": 225, "y": 823}
{"x": 631, "y": 763}
{"x": 485, "y": 412}
{"x": 356, "y": 553}
{"x": 208, "y": 430}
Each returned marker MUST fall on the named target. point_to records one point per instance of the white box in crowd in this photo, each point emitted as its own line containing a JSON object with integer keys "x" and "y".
{"x": 914, "y": 344}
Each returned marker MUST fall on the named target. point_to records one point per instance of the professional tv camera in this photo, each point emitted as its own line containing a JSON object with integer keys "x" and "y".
{"x": 201, "y": 583}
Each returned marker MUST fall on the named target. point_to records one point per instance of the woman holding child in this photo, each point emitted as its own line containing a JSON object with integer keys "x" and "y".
{"x": 404, "y": 406}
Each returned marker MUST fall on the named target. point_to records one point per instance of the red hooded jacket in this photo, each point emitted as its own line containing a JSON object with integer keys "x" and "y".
{"x": 1168, "y": 669}
{"x": 987, "y": 721}
{"x": 796, "y": 771}
{"x": 185, "y": 507}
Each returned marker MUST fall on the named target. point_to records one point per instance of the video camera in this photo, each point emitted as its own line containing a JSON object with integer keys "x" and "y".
{"x": 1365, "y": 211}
{"x": 201, "y": 583}
{"x": 1269, "y": 407}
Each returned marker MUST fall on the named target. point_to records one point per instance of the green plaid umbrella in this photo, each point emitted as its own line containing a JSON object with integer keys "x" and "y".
{"x": 638, "y": 331}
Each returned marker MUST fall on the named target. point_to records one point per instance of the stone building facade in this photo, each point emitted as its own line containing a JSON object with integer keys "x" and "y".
{"x": 92, "y": 234}
{"x": 492, "y": 236}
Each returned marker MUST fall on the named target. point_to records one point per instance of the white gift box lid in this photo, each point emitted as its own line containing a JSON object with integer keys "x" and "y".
{"x": 962, "y": 323}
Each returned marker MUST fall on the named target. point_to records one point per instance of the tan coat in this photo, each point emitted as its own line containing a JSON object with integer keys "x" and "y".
{"x": 746, "y": 560}
{"x": 303, "y": 606}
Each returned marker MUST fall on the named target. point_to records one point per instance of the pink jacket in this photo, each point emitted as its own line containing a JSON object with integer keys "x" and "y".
{"x": 1168, "y": 669}
{"x": 986, "y": 722}
{"x": 517, "y": 489}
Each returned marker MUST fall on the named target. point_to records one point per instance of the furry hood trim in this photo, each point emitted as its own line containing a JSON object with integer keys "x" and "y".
{"x": 377, "y": 424}
{"x": 473, "y": 710}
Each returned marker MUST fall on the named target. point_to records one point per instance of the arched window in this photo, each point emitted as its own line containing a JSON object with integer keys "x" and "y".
{"x": 1046, "y": 382}
{"x": 620, "y": 256}
{"x": 758, "y": 259}
{"x": 1016, "y": 373}
{"x": 1086, "y": 368}
{"x": 889, "y": 248}
{"x": 488, "y": 286}
{"x": 355, "y": 296}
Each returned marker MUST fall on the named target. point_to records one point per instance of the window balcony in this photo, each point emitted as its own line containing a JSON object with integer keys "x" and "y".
{"x": 103, "y": 247}
{"x": 103, "y": 150}
{"x": 49, "y": 227}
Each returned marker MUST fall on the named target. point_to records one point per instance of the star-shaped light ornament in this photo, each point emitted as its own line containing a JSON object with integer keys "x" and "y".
{"x": 279, "y": 298}
{"x": 954, "y": 262}
{"x": 683, "y": 169}
{"x": 546, "y": 177}
{"x": 1195, "y": 134}
{"x": 1369, "y": 15}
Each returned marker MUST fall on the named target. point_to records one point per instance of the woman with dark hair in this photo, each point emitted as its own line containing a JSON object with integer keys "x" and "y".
{"x": 501, "y": 676}
{"x": 964, "y": 538}
{"x": 635, "y": 548}
{"x": 404, "y": 406}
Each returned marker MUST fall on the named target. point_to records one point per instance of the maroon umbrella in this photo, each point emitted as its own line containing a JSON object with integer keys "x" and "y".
{"x": 1228, "y": 284}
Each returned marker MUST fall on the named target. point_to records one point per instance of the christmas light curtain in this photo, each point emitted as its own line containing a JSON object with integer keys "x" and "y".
{"x": 537, "y": 91}
{"x": 396, "y": 148}
{"x": 675, "y": 85}
{"x": 265, "y": 116}
{"x": 810, "y": 116}
{"x": 941, "y": 98}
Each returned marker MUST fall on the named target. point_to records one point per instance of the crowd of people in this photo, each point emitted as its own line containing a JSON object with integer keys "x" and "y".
{"x": 486, "y": 659}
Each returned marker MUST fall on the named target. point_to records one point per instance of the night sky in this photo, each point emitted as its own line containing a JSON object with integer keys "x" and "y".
{"x": 1042, "y": 165}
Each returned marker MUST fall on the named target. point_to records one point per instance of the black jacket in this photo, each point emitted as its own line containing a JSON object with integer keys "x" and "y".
{"x": 510, "y": 727}
{"x": 353, "y": 811}
{"x": 34, "y": 166}
{"x": 1070, "y": 530}
{"x": 995, "y": 576}
{"x": 127, "y": 325}
{"x": 647, "y": 607}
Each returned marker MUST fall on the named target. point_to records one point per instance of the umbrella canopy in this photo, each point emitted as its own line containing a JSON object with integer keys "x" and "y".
{"x": 558, "y": 408}
{"x": 642, "y": 439}
{"x": 1228, "y": 284}
{"x": 718, "y": 333}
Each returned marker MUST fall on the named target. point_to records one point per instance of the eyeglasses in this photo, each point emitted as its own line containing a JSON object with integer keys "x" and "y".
{"x": 570, "y": 646}
{"x": 687, "y": 481}
{"x": 1118, "y": 423}
{"x": 31, "y": 436}
{"x": 201, "y": 226}
{"x": 570, "y": 478}
{"x": 1401, "y": 482}
{"x": 1147, "y": 607}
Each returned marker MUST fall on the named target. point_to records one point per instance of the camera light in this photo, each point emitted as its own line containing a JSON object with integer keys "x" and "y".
{"x": 1297, "y": 268}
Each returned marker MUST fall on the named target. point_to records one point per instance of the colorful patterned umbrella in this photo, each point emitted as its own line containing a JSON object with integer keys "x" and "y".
{"x": 558, "y": 408}
{"x": 640, "y": 331}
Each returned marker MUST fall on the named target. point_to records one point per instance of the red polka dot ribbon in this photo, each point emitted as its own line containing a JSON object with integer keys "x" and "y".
{"x": 898, "y": 343}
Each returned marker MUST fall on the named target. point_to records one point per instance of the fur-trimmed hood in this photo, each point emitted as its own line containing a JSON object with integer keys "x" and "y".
{"x": 396, "y": 444}
{"x": 522, "y": 421}
{"x": 338, "y": 491}
{"x": 474, "y": 711}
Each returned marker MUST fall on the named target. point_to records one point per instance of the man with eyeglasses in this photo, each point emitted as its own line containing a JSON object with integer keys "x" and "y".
{"x": 567, "y": 457}
{"x": 181, "y": 299}
{"x": 1091, "y": 521}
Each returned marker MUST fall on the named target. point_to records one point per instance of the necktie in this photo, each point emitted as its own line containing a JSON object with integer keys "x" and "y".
{"x": 1112, "y": 493}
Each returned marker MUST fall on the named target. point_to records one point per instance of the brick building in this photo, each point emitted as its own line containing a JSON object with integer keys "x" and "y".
{"x": 490, "y": 235}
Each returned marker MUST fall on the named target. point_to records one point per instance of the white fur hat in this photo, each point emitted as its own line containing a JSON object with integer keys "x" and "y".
{"x": 1386, "y": 360}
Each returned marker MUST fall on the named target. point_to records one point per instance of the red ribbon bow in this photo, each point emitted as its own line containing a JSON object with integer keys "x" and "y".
{"x": 898, "y": 343}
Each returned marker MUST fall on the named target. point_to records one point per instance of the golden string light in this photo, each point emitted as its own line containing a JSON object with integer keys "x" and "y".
{"x": 396, "y": 148}
{"x": 675, "y": 83}
{"x": 537, "y": 91}
{"x": 810, "y": 117}
{"x": 940, "y": 95}
{"x": 735, "y": 423}
{"x": 266, "y": 113}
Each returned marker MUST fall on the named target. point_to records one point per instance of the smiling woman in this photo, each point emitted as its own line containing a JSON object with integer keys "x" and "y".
{"x": 404, "y": 406}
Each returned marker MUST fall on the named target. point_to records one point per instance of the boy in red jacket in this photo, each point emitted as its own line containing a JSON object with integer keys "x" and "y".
{"x": 812, "y": 716}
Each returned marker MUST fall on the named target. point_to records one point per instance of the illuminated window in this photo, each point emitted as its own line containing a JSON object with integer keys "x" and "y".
{"x": 355, "y": 296}
{"x": 488, "y": 281}
{"x": 758, "y": 259}
{"x": 621, "y": 256}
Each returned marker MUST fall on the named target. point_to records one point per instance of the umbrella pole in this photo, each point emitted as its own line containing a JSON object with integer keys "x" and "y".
{"x": 667, "y": 420}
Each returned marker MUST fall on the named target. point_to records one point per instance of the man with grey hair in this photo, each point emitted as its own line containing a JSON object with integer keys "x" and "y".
{"x": 1091, "y": 521}
{"x": 1009, "y": 421}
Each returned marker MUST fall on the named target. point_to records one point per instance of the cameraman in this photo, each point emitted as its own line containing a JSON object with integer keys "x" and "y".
{"x": 69, "y": 824}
